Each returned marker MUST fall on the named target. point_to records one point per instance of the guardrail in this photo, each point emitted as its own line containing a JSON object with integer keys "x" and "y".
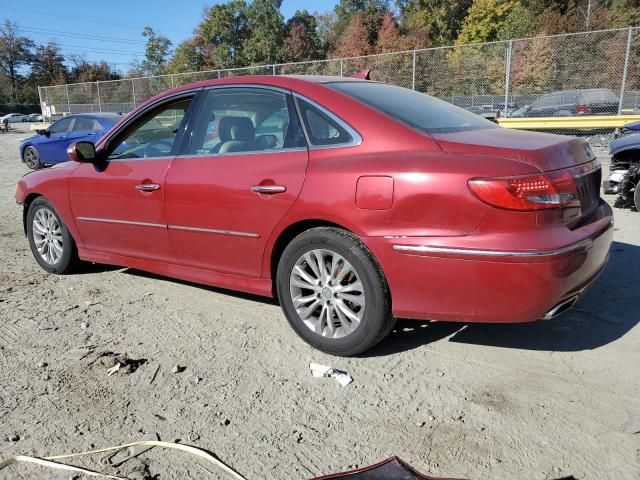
{"x": 569, "y": 123}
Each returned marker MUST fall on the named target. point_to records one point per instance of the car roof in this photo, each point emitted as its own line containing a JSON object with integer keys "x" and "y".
{"x": 114, "y": 117}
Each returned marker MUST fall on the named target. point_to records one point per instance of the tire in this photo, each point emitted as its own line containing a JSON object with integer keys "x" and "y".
{"x": 46, "y": 230}
{"x": 636, "y": 196}
{"x": 31, "y": 158}
{"x": 353, "y": 292}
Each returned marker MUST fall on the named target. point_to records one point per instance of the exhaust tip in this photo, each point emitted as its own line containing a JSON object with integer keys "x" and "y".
{"x": 561, "y": 307}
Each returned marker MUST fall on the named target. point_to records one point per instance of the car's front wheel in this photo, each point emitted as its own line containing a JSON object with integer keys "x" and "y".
{"x": 31, "y": 158}
{"x": 51, "y": 243}
{"x": 333, "y": 292}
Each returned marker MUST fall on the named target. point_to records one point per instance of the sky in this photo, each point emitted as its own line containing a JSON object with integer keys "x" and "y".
{"x": 111, "y": 29}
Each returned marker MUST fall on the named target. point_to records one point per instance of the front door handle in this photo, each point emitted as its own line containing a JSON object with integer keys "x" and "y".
{"x": 269, "y": 189}
{"x": 148, "y": 187}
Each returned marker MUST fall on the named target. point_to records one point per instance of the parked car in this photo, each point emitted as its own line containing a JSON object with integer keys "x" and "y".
{"x": 624, "y": 169}
{"x": 14, "y": 118}
{"x": 49, "y": 146}
{"x": 569, "y": 103}
{"x": 363, "y": 203}
{"x": 34, "y": 117}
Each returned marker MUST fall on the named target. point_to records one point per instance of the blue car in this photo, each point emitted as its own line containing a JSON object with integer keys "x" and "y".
{"x": 49, "y": 146}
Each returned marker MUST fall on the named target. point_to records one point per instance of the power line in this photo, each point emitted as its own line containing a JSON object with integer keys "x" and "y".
{"x": 88, "y": 36}
{"x": 99, "y": 50}
{"x": 84, "y": 19}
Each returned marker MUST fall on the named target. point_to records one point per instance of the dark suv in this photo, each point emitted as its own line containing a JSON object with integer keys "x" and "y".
{"x": 569, "y": 103}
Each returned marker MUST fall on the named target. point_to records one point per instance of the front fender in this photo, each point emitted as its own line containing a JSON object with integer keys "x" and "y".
{"x": 52, "y": 184}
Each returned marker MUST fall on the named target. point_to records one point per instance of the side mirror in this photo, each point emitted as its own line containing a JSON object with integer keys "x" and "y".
{"x": 83, "y": 152}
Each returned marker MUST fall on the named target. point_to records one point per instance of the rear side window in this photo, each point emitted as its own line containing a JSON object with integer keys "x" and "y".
{"x": 321, "y": 128}
{"x": 83, "y": 124}
{"x": 415, "y": 109}
{"x": 236, "y": 120}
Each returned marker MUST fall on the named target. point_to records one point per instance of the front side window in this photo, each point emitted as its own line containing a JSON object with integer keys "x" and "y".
{"x": 417, "y": 110}
{"x": 155, "y": 136}
{"x": 60, "y": 126}
{"x": 241, "y": 120}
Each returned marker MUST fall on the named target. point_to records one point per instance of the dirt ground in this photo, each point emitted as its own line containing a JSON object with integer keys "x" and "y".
{"x": 546, "y": 400}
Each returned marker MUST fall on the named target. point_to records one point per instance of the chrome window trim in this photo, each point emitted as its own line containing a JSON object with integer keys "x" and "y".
{"x": 356, "y": 138}
{"x": 490, "y": 253}
{"x": 236, "y": 154}
{"x": 214, "y": 230}
{"x": 170, "y": 227}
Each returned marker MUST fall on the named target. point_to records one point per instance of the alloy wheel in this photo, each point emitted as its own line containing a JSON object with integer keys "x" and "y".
{"x": 47, "y": 236}
{"x": 327, "y": 293}
{"x": 31, "y": 157}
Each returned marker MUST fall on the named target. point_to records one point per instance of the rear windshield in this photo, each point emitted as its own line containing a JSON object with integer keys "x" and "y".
{"x": 415, "y": 109}
{"x": 600, "y": 96}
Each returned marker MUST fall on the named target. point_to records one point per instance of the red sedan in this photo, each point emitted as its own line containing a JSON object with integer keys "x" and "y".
{"x": 354, "y": 202}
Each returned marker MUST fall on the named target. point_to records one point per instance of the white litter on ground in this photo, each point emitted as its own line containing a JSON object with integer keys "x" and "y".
{"x": 341, "y": 376}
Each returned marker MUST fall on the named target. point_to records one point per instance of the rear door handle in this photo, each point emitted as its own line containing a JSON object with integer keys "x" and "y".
{"x": 148, "y": 187}
{"x": 269, "y": 189}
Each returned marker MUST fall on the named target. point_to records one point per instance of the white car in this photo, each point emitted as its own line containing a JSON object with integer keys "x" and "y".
{"x": 34, "y": 117}
{"x": 14, "y": 118}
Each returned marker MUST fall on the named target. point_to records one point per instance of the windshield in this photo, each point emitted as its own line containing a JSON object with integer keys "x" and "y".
{"x": 415, "y": 109}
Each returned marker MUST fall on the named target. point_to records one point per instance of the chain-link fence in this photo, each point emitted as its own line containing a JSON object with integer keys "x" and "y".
{"x": 562, "y": 75}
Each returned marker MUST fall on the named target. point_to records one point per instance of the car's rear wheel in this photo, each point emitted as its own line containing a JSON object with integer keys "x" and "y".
{"x": 31, "y": 158}
{"x": 333, "y": 292}
{"x": 51, "y": 243}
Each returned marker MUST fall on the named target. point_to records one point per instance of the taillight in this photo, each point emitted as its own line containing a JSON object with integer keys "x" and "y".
{"x": 581, "y": 109}
{"x": 530, "y": 192}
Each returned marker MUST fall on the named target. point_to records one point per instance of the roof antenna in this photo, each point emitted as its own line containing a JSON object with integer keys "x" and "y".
{"x": 362, "y": 75}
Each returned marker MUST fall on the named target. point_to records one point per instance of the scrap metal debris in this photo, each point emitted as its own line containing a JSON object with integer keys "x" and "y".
{"x": 391, "y": 469}
{"x": 341, "y": 376}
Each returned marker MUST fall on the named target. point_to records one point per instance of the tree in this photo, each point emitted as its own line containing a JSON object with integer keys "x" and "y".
{"x": 223, "y": 31}
{"x": 355, "y": 41}
{"x": 15, "y": 51}
{"x": 47, "y": 68}
{"x": 326, "y": 28}
{"x": 372, "y": 12}
{"x": 301, "y": 41}
{"x": 532, "y": 67}
{"x": 439, "y": 20}
{"x": 485, "y": 21}
{"x": 157, "y": 52}
{"x": 520, "y": 23}
{"x": 84, "y": 71}
{"x": 624, "y": 13}
{"x": 390, "y": 39}
{"x": 187, "y": 57}
{"x": 266, "y": 32}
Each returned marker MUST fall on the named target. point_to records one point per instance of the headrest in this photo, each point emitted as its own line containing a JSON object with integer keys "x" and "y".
{"x": 236, "y": 128}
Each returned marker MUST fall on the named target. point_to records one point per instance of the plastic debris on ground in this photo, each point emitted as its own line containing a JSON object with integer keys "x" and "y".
{"x": 341, "y": 376}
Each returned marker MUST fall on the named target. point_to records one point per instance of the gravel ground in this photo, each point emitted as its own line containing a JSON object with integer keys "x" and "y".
{"x": 546, "y": 400}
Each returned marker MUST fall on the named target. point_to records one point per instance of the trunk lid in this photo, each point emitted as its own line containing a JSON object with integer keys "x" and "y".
{"x": 543, "y": 151}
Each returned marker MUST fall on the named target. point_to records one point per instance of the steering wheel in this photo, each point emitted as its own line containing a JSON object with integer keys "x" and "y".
{"x": 152, "y": 149}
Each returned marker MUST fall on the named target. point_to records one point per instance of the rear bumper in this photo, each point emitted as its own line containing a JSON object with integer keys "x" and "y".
{"x": 448, "y": 282}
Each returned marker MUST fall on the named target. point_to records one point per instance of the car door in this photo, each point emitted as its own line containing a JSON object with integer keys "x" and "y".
{"x": 52, "y": 146}
{"x": 118, "y": 204}
{"x": 244, "y": 168}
